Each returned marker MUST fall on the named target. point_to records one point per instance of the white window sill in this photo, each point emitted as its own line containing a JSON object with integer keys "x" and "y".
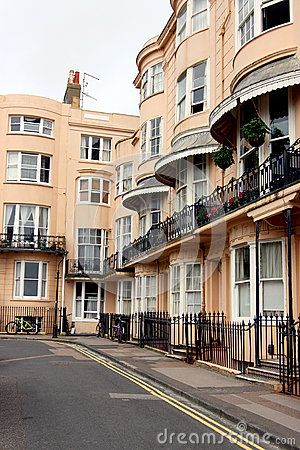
{"x": 30, "y": 299}
{"x": 93, "y": 161}
{"x": 94, "y": 204}
{"x": 78, "y": 319}
{"x": 24, "y": 133}
{"x": 29, "y": 183}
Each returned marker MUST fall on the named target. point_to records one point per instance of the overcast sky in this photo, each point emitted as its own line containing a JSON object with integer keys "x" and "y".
{"x": 40, "y": 42}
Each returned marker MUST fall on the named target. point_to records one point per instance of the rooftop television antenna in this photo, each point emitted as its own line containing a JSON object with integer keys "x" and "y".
{"x": 84, "y": 86}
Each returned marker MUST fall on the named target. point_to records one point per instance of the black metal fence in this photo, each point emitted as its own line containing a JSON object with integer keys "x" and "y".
{"x": 289, "y": 359}
{"x": 210, "y": 337}
{"x": 55, "y": 244}
{"x": 41, "y": 315}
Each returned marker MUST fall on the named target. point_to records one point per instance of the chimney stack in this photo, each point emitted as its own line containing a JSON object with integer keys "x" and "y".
{"x": 72, "y": 94}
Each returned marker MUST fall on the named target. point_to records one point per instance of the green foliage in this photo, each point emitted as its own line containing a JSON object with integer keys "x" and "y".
{"x": 222, "y": 157}
{"x": 255, "y": 128}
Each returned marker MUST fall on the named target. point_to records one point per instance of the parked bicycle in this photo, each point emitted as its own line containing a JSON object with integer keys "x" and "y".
{"x": 100, "y": 332}
{"x": 119, "y": 329}
{"x": 66, "y": 326}
{"x": 21, "y": 325}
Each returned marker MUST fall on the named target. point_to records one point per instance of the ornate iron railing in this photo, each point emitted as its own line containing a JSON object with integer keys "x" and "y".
{"x": 56, "y": 244}
{"x": 84, "y": 267}
{"x": 276, "y": 172}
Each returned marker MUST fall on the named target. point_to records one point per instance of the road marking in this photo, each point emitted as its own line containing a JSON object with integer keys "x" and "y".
{"x": 218, "y": 427}
{"x": 25, "y": 358}
{"x": 132, "y": 396}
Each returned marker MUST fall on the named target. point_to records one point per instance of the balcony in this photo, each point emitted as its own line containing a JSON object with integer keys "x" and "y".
{"x": 275, "y": 173}
{"x": 84, "y": 268}
{"x": 22, "y": 242}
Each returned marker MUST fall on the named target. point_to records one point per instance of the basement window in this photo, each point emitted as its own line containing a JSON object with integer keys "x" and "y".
{"x": 275, "y": 13}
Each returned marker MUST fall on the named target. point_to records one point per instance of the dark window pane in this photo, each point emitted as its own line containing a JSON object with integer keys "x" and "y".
{"x": 91, "y": 289}
{"x": 279, "y": 113}
{"x": 31, "y": 270}
{"x": 96, "y": 142}
{"x": 280, "y": 146}
{"x": 45, "y": 162}
{"x": 95, "y": 154}
{"x": 78, "y": 290}
{"x": 30, "y": 288}
{"x": 275, "y": 15}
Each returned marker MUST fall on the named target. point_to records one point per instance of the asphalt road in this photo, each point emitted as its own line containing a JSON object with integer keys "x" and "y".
{"x": 53, "y": 397}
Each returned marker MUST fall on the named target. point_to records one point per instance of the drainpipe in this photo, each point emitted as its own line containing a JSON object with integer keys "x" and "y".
{"x": 63, "y": 291}
{"x": 257, "y": 230}
{"x": 289, "y": 245}
{"x": 222, "y": 34}
{"x": 157, "y": 262}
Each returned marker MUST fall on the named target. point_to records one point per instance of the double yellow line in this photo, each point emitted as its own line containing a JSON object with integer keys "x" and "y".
{"x": 218, "y": 427}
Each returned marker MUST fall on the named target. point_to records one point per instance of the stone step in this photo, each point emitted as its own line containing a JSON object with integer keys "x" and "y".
{"x": 252, "y": 379}
{"x": 263, "y": 373}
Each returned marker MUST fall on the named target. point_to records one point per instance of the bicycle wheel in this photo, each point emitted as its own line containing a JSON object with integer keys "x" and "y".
{"x": 33, "y": 329}
{"x": 12, "y": 328}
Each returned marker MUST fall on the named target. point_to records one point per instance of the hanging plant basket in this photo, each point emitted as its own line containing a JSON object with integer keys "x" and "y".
{"x": 222, "y": 157}
{"x": 255, "y": 131}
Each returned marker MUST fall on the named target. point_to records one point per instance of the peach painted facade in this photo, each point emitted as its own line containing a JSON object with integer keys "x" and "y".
{"x": 215, "y": 65}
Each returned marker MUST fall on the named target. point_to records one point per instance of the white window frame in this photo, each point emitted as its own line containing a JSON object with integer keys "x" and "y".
{"x": 100, "y": 240}
{"x": 148, "y": 138}
{"x": 181, "y": 294}
{"x": 182, "y": 30}
{"x": 238, "y": 283}
{"x": 19, "y": 280}
{"x": 259, "y": 5}
{"x": 185, "y": 186}
{"x": 123, "y": 237}
{"x": 18, "y": 165}
{"x": 124, "y": 178}
{"x": 101, "y": 300}
{"x": 124, "y": 296}
{"x": 186, "y": 97}
{"x": 283, "y": 271}
{"x": 234, "y": 291}
{"x": 146, "y": 216}
{"x": 152, "y": 82}
{"x": 191, "y": 307}
{"x": 16, "y": 225}
{"x": 102, "y": 149}
{"x": 144, "y": 294}
{"x": 43, "y": 125}
{"x": 200, "y": 12}
{"x": 175, "y": 289}
{"x": 90, "y": 191}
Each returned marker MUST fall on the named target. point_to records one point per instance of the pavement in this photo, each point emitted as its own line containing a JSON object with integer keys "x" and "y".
{"x": 252, "y": 407}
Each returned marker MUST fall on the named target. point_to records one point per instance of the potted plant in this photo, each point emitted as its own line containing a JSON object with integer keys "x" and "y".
{"x": 222, "y": 157}
{"x": 255, "y": 131}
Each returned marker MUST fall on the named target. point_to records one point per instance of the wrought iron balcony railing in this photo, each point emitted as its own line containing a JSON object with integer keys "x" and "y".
{"x": 276, "y": 172}
{"x": 84, "y": 267}
{"x": 55, "y": 244}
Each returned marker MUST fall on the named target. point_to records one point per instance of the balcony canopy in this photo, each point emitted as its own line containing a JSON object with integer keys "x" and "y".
{"x": 182, "y": 146}
{"x": 274, "y": 75}
{"x": 139, "y": 198}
